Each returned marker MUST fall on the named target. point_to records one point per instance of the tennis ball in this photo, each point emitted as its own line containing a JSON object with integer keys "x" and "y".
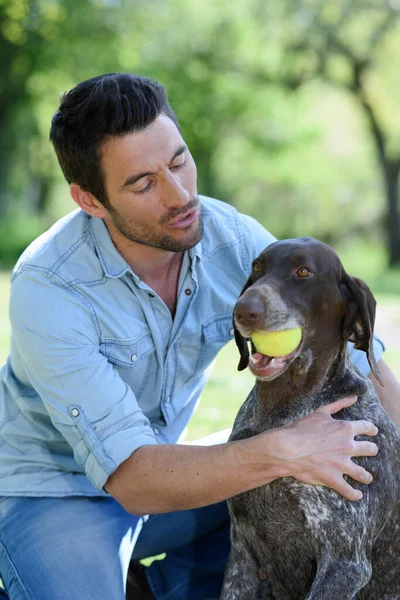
{"x": 276, "y": 343}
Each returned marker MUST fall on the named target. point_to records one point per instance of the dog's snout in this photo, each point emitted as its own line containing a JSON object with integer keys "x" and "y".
{"x": 250, "y": 311}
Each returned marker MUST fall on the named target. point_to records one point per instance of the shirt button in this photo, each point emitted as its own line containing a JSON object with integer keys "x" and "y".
{"x": 133, "y": 357}
{"x": 232, "y": 331}
{"x": 188, "y": 291}
{"x": 75, "y": 412}
{"x": 168, "y": 399}
{"x": 156, "y": 431}
{"x": 151, "y": 295}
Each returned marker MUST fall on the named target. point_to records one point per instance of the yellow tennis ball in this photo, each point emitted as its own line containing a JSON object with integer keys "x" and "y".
{"x": 277, "y": 343}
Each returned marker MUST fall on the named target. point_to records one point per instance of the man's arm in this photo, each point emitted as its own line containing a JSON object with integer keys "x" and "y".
{"x": 86, "y": 399}
{"x": 316, "y": 449}
{"x": 389, "y": 393}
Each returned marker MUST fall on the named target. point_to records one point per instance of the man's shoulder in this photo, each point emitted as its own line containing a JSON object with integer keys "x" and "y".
{"x": 212, "y": 206}
{"x": 221, "y": 221}
{"x": 56, "y": 244}
{"x": 225, "y": 226}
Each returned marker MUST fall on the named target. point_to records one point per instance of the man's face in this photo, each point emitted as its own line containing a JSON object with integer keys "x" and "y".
{"x": 150, "y": 181}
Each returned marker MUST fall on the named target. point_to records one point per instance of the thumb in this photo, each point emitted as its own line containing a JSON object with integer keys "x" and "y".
{"x": 334, "y": 407}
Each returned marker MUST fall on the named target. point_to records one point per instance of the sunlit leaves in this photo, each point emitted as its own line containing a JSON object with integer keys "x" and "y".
{"x": 263, "y": 91}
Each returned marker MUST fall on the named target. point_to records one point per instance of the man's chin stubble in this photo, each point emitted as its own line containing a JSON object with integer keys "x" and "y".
{"x": 142, "y": 235}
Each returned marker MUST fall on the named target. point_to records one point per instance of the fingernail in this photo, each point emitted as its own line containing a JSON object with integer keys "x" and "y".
{"x": 359, "y": 495}
{"x": 368, "y": 478}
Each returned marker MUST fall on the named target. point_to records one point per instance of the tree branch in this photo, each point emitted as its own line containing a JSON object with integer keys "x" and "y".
{"x": 377, "y": 131}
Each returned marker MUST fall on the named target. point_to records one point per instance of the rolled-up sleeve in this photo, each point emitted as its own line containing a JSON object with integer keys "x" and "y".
{"x": 58, "y": 337}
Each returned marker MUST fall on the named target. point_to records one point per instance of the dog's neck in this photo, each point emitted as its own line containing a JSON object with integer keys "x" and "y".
{"x": 308, "y": 384}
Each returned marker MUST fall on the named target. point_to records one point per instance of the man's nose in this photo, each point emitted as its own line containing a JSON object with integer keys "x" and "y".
{"x": 249, "y": 311}
{"x": 174, "y": 193}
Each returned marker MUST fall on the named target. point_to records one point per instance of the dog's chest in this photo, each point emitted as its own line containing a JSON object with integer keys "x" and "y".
{"x": 287, "y": 512}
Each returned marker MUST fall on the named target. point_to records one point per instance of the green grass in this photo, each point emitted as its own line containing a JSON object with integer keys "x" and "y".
{"x": 368, "y": 260}
{"x": 225, "y": 392}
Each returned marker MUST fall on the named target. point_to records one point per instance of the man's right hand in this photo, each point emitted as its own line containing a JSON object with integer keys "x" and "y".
{"x": 318, "y": 449}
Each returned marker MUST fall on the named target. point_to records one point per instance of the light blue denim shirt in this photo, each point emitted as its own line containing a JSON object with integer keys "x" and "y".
{"x": 98, "y": 367}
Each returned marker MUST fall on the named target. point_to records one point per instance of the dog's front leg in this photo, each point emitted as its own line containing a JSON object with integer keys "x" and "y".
{"x": 241, "y": 577}
{"x": 340, "y": 579}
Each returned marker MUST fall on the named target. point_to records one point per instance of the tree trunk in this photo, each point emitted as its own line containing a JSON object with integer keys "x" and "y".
{"x": 390, "y": 169}
{"x": 391, "y": 175}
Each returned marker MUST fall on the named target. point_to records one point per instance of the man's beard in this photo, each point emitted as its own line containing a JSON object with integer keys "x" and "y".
{"x": 143, "y": 233}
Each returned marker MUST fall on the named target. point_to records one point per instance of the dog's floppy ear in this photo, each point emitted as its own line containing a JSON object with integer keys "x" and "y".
{"x": 241, "y": 342}
{"x": 359, "y": 320}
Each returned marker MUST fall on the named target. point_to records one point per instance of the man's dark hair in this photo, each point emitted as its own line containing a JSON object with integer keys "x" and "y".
{"x": 95, "y": 110}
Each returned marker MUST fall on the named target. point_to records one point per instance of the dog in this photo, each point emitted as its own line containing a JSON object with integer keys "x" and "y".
{"x": 293, "y": 541}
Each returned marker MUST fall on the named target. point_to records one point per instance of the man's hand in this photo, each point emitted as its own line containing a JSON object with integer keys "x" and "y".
{"x": 318, "y": 449}
{"x": 315, "y": 449}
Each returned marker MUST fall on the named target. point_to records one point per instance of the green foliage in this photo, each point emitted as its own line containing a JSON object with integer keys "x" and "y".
{"x": 263, "y": 91}
{"x": 367, "y": 259}
{"x": 45, "y": 45}
{"x": 16, "y": 233}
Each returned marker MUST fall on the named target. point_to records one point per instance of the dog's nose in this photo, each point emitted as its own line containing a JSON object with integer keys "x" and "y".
{"x": 249, "y": 311}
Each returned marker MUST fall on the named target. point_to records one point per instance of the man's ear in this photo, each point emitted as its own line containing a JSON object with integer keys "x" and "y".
{"x": 359, "y": 320}
{"x": 87, "y": 202}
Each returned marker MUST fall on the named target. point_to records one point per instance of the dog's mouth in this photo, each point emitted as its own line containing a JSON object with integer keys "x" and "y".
{"x": 269, "y": 367}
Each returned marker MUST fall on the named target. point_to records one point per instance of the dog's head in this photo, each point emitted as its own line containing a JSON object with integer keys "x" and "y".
{"x": 301, "y": 283}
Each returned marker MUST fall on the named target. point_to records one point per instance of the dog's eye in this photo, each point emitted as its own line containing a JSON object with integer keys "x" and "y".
{"x": 256, "y": 267}
{"x": 303, "y": 272}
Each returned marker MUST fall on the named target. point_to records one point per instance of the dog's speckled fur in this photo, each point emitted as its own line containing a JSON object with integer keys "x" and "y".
{"x": 292, "y": 541}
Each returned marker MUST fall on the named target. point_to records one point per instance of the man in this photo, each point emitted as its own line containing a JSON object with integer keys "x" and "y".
{"x": 116, "y": 313}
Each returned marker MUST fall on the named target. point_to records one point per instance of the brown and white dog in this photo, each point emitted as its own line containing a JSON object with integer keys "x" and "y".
{"x": 291, "y": 540}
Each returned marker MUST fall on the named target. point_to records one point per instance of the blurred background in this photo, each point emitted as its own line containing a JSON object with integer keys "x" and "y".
{"x": 291, "y": 109}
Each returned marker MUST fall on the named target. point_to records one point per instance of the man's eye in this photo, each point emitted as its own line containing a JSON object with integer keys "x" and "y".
{"x": 144, "y": 190}
{"x": 303, "y": 272}
{"x": 179, "y": 166}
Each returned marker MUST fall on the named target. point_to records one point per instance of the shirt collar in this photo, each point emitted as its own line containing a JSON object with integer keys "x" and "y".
{"x": 114, "y": 265}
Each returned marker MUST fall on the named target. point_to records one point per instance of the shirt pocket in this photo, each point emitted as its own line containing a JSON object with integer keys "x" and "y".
{"x": 216, "y": 332}
{"x": 133, "y": 358}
